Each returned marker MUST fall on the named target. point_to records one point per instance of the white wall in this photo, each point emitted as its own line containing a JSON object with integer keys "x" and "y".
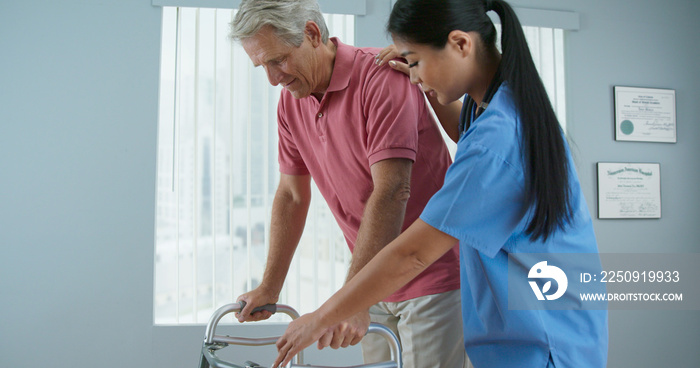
{"x": 79, "y": 83}
{"x": 78, "y": 113}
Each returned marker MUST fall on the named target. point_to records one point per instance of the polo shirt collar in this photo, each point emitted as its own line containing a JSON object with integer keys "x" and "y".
{"x": 342, "y": 67}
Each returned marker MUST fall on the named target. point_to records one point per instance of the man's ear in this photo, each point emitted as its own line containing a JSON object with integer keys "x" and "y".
{"x": 313, "y": 32}
{"x": 461, "y": 41}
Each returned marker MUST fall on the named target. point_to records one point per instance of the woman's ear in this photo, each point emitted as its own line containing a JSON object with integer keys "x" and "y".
{"x": 313, "y": 32}
{"x": 461, "y": 42}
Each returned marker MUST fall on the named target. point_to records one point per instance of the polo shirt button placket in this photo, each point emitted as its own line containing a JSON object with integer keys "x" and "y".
{"x": 320, "y": 127}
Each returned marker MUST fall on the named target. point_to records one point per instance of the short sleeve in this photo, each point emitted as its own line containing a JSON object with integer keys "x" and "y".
{"x": 289, "y": 158}
{"x": 394, "y": 109}
{"x": 482, "y": 201}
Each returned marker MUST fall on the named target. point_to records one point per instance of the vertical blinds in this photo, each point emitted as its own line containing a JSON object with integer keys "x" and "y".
{"x": 217, "y": 175}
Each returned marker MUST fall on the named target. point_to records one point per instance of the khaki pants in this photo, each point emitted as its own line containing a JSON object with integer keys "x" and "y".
{"x": 428, "y": 327}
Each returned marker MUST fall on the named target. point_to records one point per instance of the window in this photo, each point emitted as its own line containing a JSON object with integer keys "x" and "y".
{"x": 217, "y": 170}
{"x": 217, "y": 175}
{"x": 547, "y": 49}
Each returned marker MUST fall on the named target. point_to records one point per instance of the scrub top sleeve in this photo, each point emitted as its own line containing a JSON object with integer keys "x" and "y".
{"x": 481, "y": 202}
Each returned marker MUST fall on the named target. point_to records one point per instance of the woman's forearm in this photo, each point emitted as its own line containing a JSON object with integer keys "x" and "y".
{"x": 397, "y": 264}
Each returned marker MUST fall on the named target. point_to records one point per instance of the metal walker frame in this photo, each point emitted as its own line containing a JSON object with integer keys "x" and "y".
{"x": 212, "y": 342}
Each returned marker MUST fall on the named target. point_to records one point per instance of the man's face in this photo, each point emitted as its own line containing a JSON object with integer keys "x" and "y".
{"x": 295, "y": 68}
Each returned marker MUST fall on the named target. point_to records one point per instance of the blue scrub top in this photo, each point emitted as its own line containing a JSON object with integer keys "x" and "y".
{"x": 482, "y": 203}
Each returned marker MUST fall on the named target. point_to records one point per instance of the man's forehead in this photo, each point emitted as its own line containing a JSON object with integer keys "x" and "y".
{"x": 264, "y": 47}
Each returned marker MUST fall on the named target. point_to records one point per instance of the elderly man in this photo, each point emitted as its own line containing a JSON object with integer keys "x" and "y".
{"x": 367, "y": 138}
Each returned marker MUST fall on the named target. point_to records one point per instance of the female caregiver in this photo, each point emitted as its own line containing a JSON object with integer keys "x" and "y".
{"x": 512, "y": 188}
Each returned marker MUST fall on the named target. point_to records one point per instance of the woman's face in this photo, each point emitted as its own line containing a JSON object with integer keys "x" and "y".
{"x": 440, "y": 72}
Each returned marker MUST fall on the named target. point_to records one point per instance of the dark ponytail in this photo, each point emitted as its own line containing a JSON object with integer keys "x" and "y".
{"x": 429, "y": 22}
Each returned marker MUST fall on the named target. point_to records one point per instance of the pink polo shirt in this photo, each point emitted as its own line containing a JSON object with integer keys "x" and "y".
{"x": 368, "y": 114}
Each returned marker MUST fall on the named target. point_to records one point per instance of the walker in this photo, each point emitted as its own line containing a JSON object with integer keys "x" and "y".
{"x": 213, "y": 342}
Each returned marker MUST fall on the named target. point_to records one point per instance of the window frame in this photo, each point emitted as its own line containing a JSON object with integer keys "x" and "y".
{"x": 348, "y": 7}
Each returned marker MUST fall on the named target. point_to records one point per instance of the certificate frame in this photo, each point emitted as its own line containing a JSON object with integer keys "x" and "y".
{"x": 645, "y": 114}
{"x": 628, "y": 190}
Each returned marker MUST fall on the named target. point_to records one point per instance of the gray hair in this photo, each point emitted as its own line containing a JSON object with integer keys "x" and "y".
{"x": 287, "y": 17}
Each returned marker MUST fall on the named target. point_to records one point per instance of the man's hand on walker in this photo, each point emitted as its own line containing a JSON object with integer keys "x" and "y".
{"x": 256, "y": 298}
{"x": 300, "y": 333}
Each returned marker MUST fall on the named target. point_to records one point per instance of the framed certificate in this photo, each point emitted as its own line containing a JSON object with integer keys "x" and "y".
{"x": 645, "y": 114}
{"x": 629, "y": 190}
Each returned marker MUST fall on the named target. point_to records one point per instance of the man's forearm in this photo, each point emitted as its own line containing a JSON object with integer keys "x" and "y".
{"x": 288, "y": 218}
{"x": 383, "y": 217}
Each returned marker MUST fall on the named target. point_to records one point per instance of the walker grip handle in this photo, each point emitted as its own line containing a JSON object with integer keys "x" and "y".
{"x": 272, "y": 308}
